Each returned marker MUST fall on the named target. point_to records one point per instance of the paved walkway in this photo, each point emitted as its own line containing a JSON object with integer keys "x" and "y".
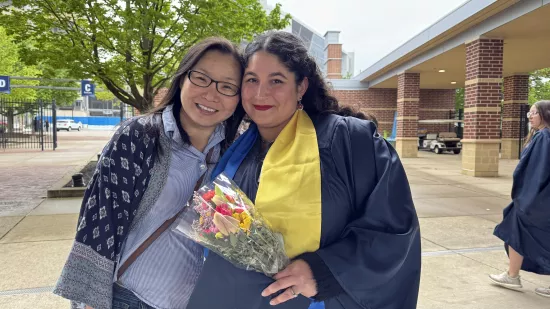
{"x": 35, "y": 232}
{"x": 26, "y": 174}
{"x": 457, "y": 216}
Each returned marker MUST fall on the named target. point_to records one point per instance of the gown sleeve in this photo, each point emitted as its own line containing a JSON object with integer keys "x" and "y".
{"x": 377, "y": 258}
{"x": 531, "y": 190}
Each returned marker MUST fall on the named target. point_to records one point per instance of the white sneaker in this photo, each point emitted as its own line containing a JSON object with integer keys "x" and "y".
{"x": 544, "y": 292}
{"x": 504, "y": 280}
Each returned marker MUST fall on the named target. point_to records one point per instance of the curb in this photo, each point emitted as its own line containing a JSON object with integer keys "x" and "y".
{"x": 66, "y": 192}
{"x": 59, "y": 191}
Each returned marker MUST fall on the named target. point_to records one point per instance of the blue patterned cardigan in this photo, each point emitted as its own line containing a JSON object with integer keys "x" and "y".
{"x": 129, "y": 177}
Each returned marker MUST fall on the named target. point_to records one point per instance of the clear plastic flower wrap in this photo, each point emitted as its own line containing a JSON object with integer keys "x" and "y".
{"x": 222, "y": 218}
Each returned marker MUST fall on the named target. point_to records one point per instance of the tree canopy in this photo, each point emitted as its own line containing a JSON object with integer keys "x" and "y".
{"x": 11, "y": 65}
{"x": 539, "y": 86}
{"x": 132, "y": 47}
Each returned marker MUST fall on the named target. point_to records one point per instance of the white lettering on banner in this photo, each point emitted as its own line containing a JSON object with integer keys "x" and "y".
{"x": 2, "y": 83}
{"x": 88, "y": 87}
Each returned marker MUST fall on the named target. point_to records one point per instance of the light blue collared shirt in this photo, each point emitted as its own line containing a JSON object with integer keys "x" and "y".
{"x": 164, "y": 275}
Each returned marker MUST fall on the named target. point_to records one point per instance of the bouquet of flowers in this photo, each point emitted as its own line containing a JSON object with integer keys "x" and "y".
{"x": 222, "y": 218}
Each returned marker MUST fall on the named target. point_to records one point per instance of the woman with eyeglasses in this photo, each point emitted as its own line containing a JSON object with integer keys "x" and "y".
{"x": 328, "y": 182}
{"x": 525, "y": 228}
{"x": 125, "y": 254}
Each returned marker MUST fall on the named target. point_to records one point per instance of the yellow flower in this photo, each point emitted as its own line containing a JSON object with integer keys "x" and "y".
{"x": 237, "y": 216}
{"x": 246, "y": 222}
{"x": 219, "y": 235}
{"x": 201, "y": 220}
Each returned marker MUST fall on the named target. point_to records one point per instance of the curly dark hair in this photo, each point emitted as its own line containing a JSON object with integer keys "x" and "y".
{"x": 294, "y": 55}
{"x": 193, "y": 56}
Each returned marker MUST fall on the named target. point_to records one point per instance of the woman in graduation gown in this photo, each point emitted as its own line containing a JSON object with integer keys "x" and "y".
{"x": 525, "y": 228}
{"x": 330, "y": 184}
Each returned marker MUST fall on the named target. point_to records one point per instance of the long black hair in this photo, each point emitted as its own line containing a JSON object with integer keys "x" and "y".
{"x": 294, "y": 55}
{"x": 193, "y": 56}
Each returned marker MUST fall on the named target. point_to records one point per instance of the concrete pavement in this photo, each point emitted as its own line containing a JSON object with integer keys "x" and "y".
{"x": 457, "y": 216}
{"x": 35, "y": 233}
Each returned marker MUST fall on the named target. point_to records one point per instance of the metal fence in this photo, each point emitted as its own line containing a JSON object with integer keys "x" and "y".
{"x": 126, "y": 111}
{"x": 523, "y": 126}
{"x": 457, "y": 127}
{"x": 26, "y": 124}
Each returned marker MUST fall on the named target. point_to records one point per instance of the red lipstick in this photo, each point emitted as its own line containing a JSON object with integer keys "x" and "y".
{"x": 262, "y": 107}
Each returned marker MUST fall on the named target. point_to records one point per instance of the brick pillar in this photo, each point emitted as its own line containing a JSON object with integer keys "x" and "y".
{"x": 333, "y": 52}
{"x": 156, "y": 100}
{"x": 482, "y": 100}
{"x": 159, "y": 96}
{"x": 408, "y": 97}
{"x": 516, "y": 94}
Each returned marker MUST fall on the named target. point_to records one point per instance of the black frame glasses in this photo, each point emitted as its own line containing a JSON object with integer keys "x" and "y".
{"x": 228, "y": 89}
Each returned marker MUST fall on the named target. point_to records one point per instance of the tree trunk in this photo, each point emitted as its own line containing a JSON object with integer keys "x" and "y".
{"x": 144, "y": 105}
{"x": 11, "y": 116}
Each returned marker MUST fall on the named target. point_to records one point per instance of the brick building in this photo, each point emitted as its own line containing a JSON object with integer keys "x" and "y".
{"x": 485, "y": 47}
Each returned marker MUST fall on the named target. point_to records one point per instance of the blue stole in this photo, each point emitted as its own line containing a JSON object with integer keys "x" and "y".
{"x": 234, "y": 156}
{"x": 230, "y": 162}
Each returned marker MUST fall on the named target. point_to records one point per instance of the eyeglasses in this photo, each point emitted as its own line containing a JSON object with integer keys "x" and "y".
{"x": 529, "y": 114}
{"x": 202, "y": 80}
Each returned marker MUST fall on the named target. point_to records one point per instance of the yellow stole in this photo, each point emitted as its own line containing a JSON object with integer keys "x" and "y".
{"x": 289, "y": 194}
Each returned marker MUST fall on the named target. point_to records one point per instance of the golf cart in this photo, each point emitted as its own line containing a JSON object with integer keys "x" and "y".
{"x": 442, "y": 141}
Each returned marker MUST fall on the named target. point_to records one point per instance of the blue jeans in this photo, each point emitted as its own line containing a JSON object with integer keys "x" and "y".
{"x": 125, "y": 299}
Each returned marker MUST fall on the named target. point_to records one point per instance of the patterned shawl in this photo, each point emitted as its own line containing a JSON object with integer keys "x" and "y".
{"x": 108, "y": 209}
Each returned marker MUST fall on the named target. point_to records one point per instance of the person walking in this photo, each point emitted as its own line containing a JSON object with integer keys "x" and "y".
{"x": 525, "y": 228}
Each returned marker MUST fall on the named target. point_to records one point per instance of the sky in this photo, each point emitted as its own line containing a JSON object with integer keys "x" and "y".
{"x": 370, "y": 28}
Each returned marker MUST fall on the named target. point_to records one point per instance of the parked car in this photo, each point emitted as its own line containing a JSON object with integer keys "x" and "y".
{"x": 68, "y": 124}
{"x": 438, "y": 143}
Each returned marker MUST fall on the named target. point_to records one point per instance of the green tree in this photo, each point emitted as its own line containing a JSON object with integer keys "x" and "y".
{"x": 459, "y": 99}
{"x": 132, "y": 47}
{"x": 61, "y": 97}
{"x": 11, "y": 65}
{"x": 347, "y": 76}
{"x": 539, "y": 86}
{"x": 104, "y": 96}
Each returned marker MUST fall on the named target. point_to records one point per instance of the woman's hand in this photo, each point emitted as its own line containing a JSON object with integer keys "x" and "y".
{"x": 295, "y": 279}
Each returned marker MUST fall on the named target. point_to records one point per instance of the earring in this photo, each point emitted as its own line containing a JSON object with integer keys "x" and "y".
{"x": 300, "y": 105}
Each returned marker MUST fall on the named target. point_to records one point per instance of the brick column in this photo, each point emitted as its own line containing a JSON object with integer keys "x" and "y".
{"x": 408, "y": 97}
{"x": 516, "y": 94}
{"x": 333, "y": 52}
{"x": 156, "y": 100}
{"x": 480, "y": 153}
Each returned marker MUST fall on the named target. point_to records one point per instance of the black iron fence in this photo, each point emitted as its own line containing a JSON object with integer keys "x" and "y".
{"x": 126, "y": 111}
{"x": 26, "y": 124}
{"x": 458, "y": 126}
{"x": 523, "y": 126}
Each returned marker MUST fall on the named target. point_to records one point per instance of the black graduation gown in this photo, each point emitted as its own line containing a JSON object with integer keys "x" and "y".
{"x": 526, "y": 223}
{"x": 370, "y": 237}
